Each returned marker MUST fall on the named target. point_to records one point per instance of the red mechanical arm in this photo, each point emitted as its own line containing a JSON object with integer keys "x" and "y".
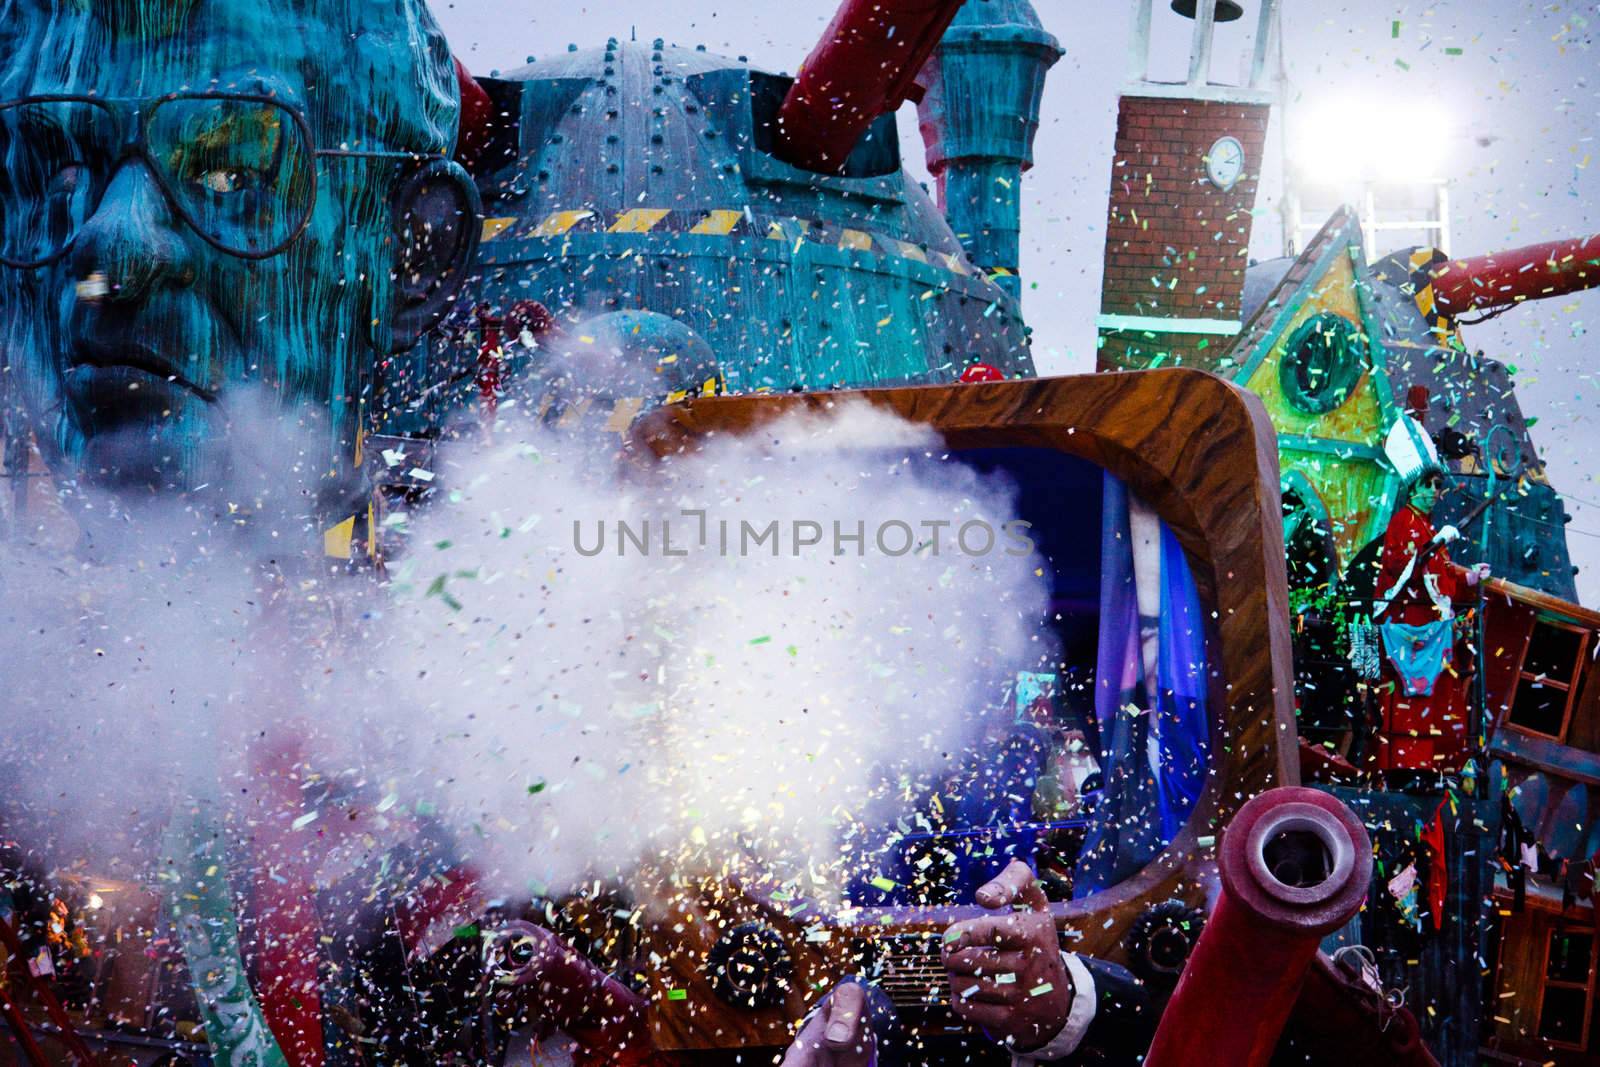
{"x": 477, "y": 119}
{"x": 865, "y": 64}
{"x": 1500, "y": 279}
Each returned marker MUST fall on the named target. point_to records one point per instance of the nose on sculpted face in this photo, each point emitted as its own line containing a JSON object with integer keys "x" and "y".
{"x": 132, "y": 244}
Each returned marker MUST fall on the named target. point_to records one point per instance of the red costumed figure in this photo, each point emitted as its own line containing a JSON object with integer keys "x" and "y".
{"x": 1424, "y": 694}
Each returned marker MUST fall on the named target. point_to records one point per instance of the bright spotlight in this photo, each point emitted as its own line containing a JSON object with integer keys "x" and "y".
{"x": 1351, "y": 139}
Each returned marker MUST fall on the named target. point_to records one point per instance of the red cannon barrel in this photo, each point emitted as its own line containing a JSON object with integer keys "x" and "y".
{"x": 865, "y": 64}
{"x": 1499, "y": 279}
{"x": 1295, "y": 865}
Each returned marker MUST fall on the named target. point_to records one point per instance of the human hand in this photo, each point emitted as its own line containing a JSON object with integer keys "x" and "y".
{"x": 1478, "y": 572}
{"x": 837, "y": 1034}
{"x": 554, "y": 981}
{"x": 1006, "y": 972}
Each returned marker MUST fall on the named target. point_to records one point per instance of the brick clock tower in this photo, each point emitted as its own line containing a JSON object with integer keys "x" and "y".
{"x": 1183, "y": 188}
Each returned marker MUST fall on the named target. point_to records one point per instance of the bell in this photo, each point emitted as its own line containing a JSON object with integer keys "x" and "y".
{"x": 1227, "y": 10}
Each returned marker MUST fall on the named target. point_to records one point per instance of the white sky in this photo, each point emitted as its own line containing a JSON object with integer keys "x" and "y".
{"x": 1526, "y": 81}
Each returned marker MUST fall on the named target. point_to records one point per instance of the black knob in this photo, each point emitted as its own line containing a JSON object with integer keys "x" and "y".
{"x": 750, "y": 967}
{"x": 1159, "y": 941}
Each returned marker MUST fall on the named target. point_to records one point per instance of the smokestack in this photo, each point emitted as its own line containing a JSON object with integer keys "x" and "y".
{"x": 978, "y": 115}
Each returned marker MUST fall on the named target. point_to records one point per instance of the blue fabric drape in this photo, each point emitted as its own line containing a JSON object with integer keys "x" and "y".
{"x": 1418, "y": 653}
{"x": 1153, "y": 761}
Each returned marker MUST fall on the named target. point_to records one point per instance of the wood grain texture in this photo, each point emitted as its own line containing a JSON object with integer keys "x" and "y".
{"x": 1204, "y": 454}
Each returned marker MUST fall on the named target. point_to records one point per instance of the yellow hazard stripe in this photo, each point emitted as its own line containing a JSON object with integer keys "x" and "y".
{"x": 493, "y": 228}
{"x": 858, "y": 240}
{"x": 560, "y": 222}
{"x": 719, "y": 223}
{"x": 911, "y": 251}
{"x": 622, "y": 414}
{"x": 639, "y": 220}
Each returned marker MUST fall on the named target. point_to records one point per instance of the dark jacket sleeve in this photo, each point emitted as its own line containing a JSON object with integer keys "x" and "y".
{"x": 1124, "y": 1021}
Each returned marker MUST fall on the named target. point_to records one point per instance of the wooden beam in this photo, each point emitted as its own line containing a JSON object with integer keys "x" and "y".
{"x": 1204, "y": 454}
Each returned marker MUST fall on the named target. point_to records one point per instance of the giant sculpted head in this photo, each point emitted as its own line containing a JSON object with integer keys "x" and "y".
{"x": 201, "y": 196}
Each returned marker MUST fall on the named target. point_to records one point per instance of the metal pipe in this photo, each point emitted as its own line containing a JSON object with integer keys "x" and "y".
{"x": 1266, "y": 27}
{"x": 1205, "y": 21}
{"x": 1139, "y": 42}
{"x": 865, "y": 64}
{"x": 1295, "y": 865}
{"x": 1500, "y": 279}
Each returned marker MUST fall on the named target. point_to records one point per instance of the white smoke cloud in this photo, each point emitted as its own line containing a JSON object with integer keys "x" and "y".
{"x": 142, "y": 657}
{"x": 723, "y": 703}
{"x": 565, "y": 715}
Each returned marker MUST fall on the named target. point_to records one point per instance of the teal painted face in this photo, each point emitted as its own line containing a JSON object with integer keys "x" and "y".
{"x": 1425, "y": 495}
{"x": 167, "y": 253}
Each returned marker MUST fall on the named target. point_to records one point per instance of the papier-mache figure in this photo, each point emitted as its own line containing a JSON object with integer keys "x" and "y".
{"x": 218, "y": 216}
{"x": 201, "y": 196}
{"x": 1418, "y": 591}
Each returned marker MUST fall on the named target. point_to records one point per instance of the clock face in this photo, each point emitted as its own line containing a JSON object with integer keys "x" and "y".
{"x": 1225, "y": 163}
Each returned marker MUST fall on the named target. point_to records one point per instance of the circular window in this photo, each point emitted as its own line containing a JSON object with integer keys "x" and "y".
{"x": 1322, "y": 363}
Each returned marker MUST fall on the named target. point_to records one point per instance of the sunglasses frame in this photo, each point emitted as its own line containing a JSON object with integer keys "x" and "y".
{"x": 138, "y": 148}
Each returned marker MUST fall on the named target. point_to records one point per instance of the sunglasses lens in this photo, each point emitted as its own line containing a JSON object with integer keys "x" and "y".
{"x": 49, "y": 178}
{"x": 242, "y": 170}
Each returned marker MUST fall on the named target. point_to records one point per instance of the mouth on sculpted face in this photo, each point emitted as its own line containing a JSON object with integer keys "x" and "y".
{"x": 112, "y": 374}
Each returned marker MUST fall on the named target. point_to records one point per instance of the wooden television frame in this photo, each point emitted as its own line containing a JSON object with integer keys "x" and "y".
{"x": 1204, "y": 454}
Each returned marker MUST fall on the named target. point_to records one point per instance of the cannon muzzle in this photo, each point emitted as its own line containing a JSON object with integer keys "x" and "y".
{"x": 1295, "y": 865}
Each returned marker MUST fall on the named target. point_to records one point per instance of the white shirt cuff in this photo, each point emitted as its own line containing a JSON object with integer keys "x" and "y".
{"x": 1079, "y": 1016}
